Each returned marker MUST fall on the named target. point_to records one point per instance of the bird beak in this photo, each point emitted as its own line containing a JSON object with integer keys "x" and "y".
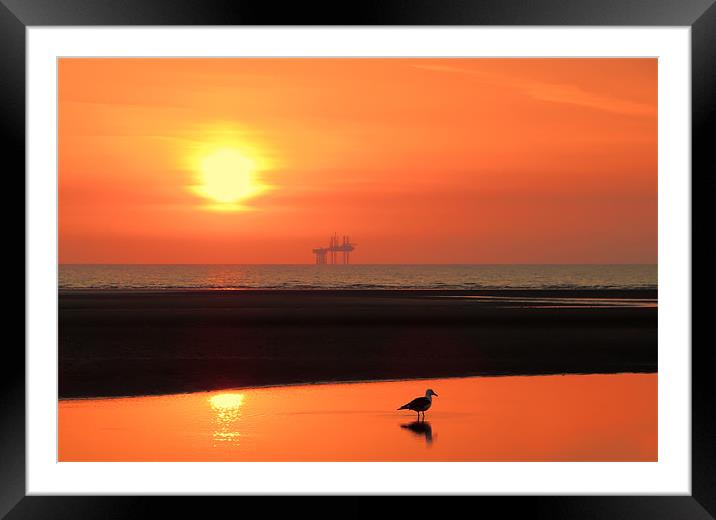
{"x": 436, "y": 395}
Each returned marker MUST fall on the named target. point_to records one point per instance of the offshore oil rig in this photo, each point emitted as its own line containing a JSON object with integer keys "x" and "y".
{"x": 329, "y": 255}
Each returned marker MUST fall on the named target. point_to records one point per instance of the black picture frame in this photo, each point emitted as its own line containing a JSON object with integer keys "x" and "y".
{"x": 699, "y": 15}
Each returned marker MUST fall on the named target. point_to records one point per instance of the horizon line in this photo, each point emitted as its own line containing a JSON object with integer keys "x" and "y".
{"x": 361, "y": 264}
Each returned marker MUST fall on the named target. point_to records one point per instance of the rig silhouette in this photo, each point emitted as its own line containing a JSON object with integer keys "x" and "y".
{"x": 329, "y": 255}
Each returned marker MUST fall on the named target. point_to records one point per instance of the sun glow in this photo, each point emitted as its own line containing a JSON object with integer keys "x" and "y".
{"x": 228, "y": 177}
{"x": 227, "y": 408}
{"x": 226, "y": 401}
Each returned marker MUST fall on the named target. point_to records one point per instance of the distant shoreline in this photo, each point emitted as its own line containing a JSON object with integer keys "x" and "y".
{"x": 644, "y": 293}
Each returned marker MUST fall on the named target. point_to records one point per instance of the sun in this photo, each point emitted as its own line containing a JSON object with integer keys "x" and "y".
{"x": 228, "y": 177}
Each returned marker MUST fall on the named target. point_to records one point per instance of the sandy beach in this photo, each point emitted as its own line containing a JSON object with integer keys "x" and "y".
{"x": 535, "y": 418}
{"x": 123, "y": 343}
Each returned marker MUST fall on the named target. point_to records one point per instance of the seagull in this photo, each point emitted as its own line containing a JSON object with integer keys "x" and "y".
{"x": 420, "y": 404}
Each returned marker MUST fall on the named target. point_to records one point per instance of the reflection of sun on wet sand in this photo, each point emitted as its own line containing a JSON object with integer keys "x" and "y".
{"x": 537, "y": 418}
{"x": 228, "y": 410}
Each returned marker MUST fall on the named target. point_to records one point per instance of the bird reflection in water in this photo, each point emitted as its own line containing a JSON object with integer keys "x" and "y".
{"x": 420, "y": 428}
{"x": 227, "y": 408}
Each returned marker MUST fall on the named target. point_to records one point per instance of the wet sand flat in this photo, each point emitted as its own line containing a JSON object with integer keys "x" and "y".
{"x": 122, "y": 343}
{"x": 522, "y": 418}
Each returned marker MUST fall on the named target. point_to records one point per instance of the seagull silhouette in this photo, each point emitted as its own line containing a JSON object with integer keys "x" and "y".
{"x": 420, "y": 404}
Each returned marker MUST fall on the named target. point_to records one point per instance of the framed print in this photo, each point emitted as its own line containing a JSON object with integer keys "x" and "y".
{"x": 288, "y": 252}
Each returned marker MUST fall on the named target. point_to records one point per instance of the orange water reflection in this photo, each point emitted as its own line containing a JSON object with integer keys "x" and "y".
{"x": 227, "y": 407}
{"x": 544, "y": 418}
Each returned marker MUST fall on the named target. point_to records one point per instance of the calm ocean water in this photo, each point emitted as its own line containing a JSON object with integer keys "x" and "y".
{"x": 357, "y": 276}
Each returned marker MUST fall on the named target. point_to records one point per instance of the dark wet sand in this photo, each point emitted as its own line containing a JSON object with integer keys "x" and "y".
{"x": 115, "y": 343}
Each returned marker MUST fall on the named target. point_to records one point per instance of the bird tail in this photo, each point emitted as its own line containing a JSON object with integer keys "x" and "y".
{"x": 403, "y": 407}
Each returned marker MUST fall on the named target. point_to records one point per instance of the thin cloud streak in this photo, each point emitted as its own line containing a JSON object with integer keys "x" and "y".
{"x": 553, "y": 92}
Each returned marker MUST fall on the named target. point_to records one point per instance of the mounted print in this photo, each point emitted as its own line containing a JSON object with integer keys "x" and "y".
{"x": 357, "y": 259}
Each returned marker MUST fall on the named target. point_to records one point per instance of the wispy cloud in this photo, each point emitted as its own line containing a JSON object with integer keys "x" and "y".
{"x": 552, "y": 92}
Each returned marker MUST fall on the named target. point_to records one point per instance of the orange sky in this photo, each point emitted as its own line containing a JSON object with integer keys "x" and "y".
{"x": 418, "y": 160}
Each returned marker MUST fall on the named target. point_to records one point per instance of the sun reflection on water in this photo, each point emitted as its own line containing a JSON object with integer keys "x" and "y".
{"x": 227, "y": 408}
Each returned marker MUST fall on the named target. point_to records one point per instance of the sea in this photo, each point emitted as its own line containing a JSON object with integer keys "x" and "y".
{"x": 356, "y": 276}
